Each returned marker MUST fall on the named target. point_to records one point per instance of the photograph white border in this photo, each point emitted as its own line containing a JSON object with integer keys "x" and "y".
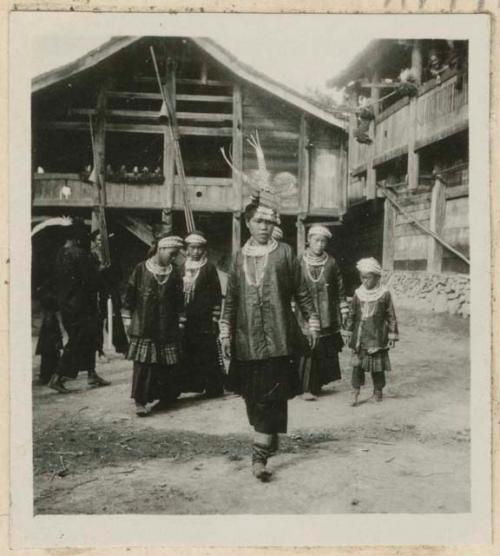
{"x": 241, "y": 530}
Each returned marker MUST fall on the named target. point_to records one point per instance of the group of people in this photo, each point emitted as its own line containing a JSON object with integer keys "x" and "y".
{"x": 280, "y": 329}
{"x": 174, "y": 324}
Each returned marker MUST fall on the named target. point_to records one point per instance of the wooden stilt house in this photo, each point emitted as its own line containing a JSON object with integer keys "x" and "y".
{"x": 101, "y": 114}
{"x": 413, "y": 149}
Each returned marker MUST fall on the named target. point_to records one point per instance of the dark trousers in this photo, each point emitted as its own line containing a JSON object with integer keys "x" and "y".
{"x": 358, "y": 379}
{"x": 48, "y": 364}
{"x": 79, "y": 353}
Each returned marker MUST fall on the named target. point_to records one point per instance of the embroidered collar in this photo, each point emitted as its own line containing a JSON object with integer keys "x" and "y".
{"x": 190, "y": 264}
{"x": 160, "y": 273}
{"x": 254, "y": 249}
{"x": 315, "y": 260}
{"x": 370, "y": 295}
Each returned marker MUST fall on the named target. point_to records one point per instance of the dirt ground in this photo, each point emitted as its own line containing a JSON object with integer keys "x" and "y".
{"x": 408, "y": 454}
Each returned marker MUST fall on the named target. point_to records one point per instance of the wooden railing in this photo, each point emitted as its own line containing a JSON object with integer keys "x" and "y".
{"x": 391, "y": 132}
{"x": 442, "y": 110}
{"x": 55, "y": 189}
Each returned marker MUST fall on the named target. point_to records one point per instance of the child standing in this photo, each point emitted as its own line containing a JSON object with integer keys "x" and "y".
{"x": 373, "y": 329}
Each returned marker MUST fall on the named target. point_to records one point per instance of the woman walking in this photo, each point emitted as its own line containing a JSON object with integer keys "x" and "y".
{"x": 155, "y": 300}
{"x": 325, "y": 283}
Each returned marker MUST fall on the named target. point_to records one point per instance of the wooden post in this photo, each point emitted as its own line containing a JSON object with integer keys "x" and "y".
{"x": 238, "y": 164}
{"x": 304, "y": 166}
{"x": 99, "y": 141}
{"x": 413, "y": 156}
{"x": 416, "y": 60}
{"x": 371, "y": 172}
{"x": 436, "y": 224}
{"x": 169, "y": 155}
{"x": 236, "y": 234}
{"x": 389, "y": 239}
{"x": 301, "y": 235}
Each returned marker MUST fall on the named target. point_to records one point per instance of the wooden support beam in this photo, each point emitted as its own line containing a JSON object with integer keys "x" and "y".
{"x": 209, "y": 82}
{"x": 205, "y": 98}
{"x": 436, "y": 225}
{"x": 236, "y": 232}
{"x": 413, "y": 155}
{"x": 367, "y": 84}
{"x": 187, "y": 81}
{"x": 134, "y": 95}
{"x": 201, "y": 181}
{"x": 153, "y": 115}
{"x": 304, "y": 169}
{"x": 99, "y": 164}
{"x": 139, "y": 95}
{"x": 137, "y": 227}
{"x": 204, "y": 72}
{"x": 301, "y": 235}
{"x": 416, "y": 60}
{"x": 388, "y": 238}
{"x": 353, "y": 103}
{"x": 237, "y": 147}
{"x": 169, "y": 154}
{"x": 371, "y": 172}
{"x": 141, "y": 128}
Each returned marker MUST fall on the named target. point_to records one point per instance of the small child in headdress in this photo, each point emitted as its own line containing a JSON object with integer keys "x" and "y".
{"x": 373, "y": 329}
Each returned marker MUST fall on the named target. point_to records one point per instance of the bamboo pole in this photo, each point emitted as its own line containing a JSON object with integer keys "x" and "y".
{"x": 172, "y": 127}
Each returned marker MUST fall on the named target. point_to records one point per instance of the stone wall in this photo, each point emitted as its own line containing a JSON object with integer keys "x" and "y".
{"x": 441, "y": 293}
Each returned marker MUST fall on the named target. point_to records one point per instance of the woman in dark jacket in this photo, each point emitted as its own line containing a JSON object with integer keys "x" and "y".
{"x": 260, "y": 332}
{"x": 154, "y": 298}
{"x": 325, "y": 283}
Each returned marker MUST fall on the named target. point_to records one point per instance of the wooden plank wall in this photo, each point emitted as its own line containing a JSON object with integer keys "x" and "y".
{"x": 327, "y": 169}
{"x": 441, "y": 106}
{"x": 456, "y": 233}
{"x": 410, "y": 243}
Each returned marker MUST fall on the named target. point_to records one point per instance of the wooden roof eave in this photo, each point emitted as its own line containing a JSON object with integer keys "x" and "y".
{"x": 251, "y": 75}
{"x": 89, "y": 60}
{"x": 220, "y": 54}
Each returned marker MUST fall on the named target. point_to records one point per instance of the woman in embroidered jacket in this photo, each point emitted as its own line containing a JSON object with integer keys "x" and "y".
{"x": 202, "y": 302}
{"x": 260, "y": 332}
{"x": 155, "y": 300}
{"x": 373, "y": 329}
{"x": 325, "y": 283}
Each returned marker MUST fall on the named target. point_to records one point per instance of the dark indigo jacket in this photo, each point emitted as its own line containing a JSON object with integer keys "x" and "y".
{"x": 154, "y": 309}
{"x": 328, "y": 295}
{"x": 206, "y": 300}
{"x": 78, "y": 283}
{"x": 375, "y": 331}
{"x": 262, "y": 323}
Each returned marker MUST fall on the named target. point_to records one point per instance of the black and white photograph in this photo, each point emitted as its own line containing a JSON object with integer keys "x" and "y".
{"x": 251, "y": 278}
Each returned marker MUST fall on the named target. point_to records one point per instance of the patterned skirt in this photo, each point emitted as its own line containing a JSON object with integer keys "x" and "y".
{"x": 144, "y": 350}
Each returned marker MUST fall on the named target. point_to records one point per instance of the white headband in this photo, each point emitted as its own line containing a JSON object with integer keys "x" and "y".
{"x": 195, "y": 239}
{"x": 369, "y": 265}
{"x": 174, "y": 242}
{"x": 318, "y": 230}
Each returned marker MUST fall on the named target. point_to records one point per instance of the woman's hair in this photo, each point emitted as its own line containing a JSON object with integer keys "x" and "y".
{"x": 250, "y": 210}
